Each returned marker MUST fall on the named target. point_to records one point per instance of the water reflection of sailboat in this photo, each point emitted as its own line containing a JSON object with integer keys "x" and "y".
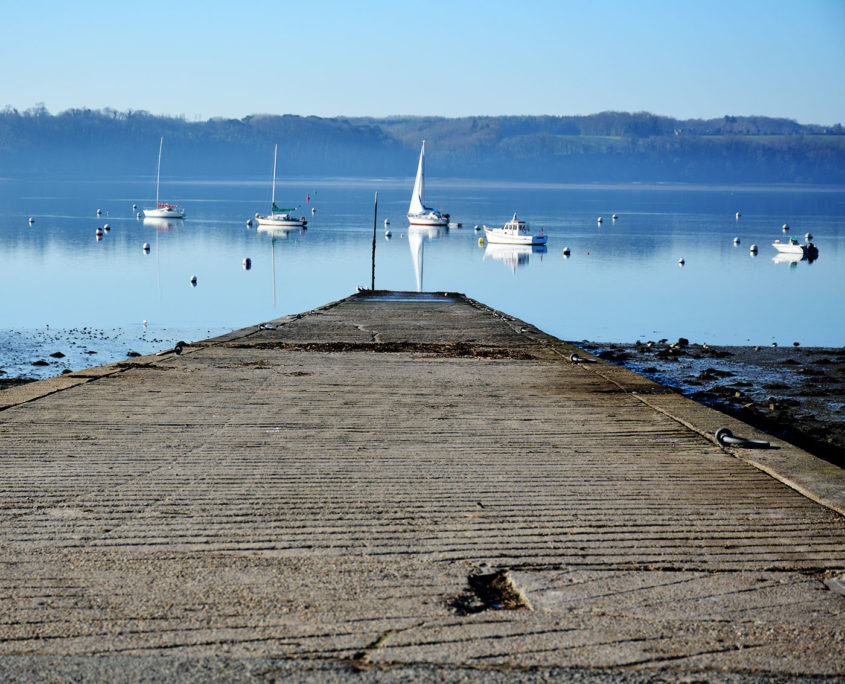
{"x": 513, "y": 255}
{"x": 416, "y": 236}
{"x": 280, "y": 231}
{"x": 160, "y": 224}
{"x": 277, "y": 233}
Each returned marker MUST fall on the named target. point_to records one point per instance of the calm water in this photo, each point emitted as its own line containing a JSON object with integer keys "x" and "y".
{"x": 622, "y": 281}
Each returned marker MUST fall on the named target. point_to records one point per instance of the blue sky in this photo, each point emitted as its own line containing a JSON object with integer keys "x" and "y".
{"x": 451, "y": 58}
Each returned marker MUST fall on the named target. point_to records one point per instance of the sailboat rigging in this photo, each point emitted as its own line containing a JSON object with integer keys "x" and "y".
{"x": 418, "y": 213}
{"x": 163, "y": 209}
{"x": 279, "y": 217}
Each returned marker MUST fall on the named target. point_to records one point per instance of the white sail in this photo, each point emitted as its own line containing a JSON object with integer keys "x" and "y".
{"x": 417, "y": 205}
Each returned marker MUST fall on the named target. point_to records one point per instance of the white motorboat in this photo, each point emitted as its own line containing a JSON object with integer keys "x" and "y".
{"x": 792, "y": 246}
{"x": 279, "y": 217}
{"x": 418, "y": 213}
{"x": 514, "y": 232}
{"x": 163, "y": 210}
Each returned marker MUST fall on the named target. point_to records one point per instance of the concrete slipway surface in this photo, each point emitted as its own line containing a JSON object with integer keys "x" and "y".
{"x": 399, "y": 487}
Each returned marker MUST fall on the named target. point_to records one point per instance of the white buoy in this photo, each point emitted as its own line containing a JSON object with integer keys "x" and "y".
{"x": 753, "y": 249}
{"x": 614, "y": 217}
{"x": 145, "y": 322}
{"x": 808, "y": 237}
{"x": 249, "y": 223}
{"x": 738, "y": 215}
{"x": 194, "y": 280}
{"x": 247, "y": 263}
{"x": 599, "y": 219}
{"x": 736, "y": 240}
{"x": 681, "y": 261}
{"x": 387, "y": 234}
{"x": 146, "y": 247}
{"x": 785, "y": 228}
{"x": 134, "y": 207}
{"x": 138, "y": 215}
{"x": 106, "y": 227}
{"x": 99, "y": 212}
{"x": 386, "y": 222}
{"x": 566, "y": 251}
{"x": 313, "y": 211}
{"x": 31, "y": 220}
{"x": 476, "y": 228}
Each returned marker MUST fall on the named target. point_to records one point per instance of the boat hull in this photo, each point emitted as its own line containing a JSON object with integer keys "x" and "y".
{"x": 165, "y": 212}
{"x": 281, "y": 222}
{"x": 496, "y": 237}
{"x": 790, "y": 248}
{"x": 427, "y": 220}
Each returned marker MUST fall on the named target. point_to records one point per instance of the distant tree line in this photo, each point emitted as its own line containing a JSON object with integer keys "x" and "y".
{"x": 603, "y": 147}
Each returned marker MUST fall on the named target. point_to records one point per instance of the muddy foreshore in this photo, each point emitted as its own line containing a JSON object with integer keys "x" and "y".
{"x": 795, "y": 393}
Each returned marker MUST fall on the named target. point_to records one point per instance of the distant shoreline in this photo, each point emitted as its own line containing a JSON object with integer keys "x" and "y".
{"x": 378, "y": 181}
{"x": 604, "y": 147}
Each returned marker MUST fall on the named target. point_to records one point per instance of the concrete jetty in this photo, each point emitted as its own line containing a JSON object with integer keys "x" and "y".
{"x": 403, "y": 485}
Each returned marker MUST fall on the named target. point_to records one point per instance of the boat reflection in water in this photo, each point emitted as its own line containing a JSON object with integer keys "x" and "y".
{"x": 513, "y": 255}
{"x": 417, "y": 235}
{"x": 281, "y": 231}
{"x": 792, "y": 259}
{"x": 162, "y": 225}
{"x": 277, "y": 233}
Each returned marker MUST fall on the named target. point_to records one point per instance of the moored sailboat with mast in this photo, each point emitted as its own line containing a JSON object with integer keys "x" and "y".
{"x": 418, "y": 213}
{"x": 278, "y": 216}
{"x": 163, "y": 209}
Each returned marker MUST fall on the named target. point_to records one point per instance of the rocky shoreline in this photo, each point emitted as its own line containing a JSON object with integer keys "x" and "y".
{"x": 795, "y": 393}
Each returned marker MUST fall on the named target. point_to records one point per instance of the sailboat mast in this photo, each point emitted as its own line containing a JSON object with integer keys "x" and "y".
{"x": 275, "y": 155}
{"x": 158, "y": 168}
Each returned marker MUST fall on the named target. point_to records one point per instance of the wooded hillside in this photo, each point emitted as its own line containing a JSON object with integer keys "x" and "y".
{"x": 604, "y": 147}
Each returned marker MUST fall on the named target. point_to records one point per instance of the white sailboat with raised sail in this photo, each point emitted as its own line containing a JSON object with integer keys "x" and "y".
{"x": 279, "y": 217}
{"x": 418, "y": 213}
{"x": 163, "y": 209}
